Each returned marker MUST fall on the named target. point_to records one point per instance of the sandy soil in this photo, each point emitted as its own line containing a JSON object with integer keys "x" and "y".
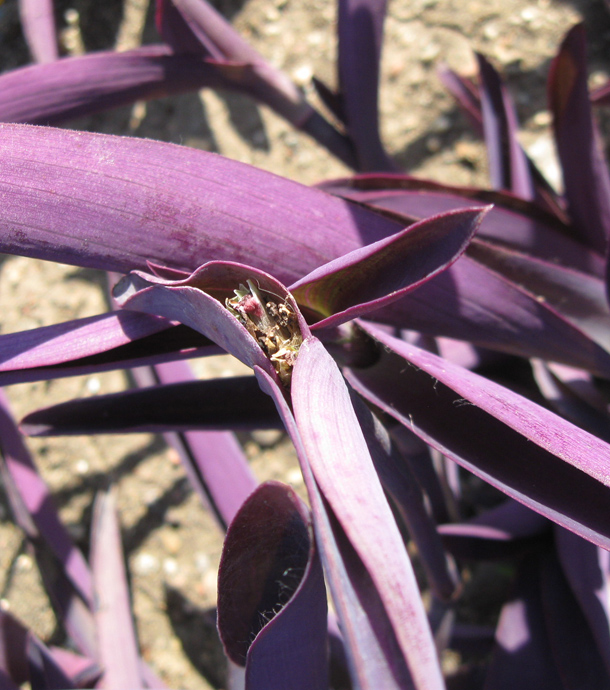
{"x": 172, "y": 545}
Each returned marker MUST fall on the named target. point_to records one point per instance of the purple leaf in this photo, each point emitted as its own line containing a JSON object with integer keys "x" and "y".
{"x": 118, "y": 648}
{"x": 227, "y": 403}
{"x": 85, "y": 346}
{"x": 118, "y": 203}
{"x": 585, "y": 173}
{"x": 38, "y": 24}
{"x": 524, "y": 450}
{"x": 45, "y": 674}
{"x": 33, "y": 494}
{"x": 577, "y": 297}
{"x": 75, "y": 86}
{"x": 383, "y": 271}
{"x": 272, "y": 613}
{"x": 360, "y": 34}
{"x": 408, "y": 500}
{"x": 470, "y": 302}
{"x": 513, "y": 222}
{"x": 508, "y": 164}
{"x": 373, "y": 656}
{"x": 503, "y": 531}
{"x": 341, "y": 464}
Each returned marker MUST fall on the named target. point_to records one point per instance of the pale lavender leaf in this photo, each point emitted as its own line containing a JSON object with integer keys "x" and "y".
{"x": 508, "y": 165}
{"x": 360, "y": 36}
{"x": 36, "y": 498}
{"x": 118, "y": 648}
{"x": 272, "y": 612}
{"x": 587, "y": 569}
{"x": 373, "y": 656}
{"x": 227, "y": 403}
{"x": 38, "y": 24}
{"x": 117, "y": 203}
{"x": 343, "y": 469}
{"x": 521, "y": 448}
{"x": 585, "y": 172}
{"x": 380, "y": 273}
{"x": 214, "y": 461}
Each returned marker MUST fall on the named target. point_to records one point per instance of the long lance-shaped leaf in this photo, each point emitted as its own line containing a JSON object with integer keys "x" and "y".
{"x": 373, "y": 656}
{"x": 341, "y": 464}
{"x": 508, "y": 165}
{"x": 213, "y": 460}
{"x": 360, "y": 36}
{"x": 470, "y": 302}
{"x": 117, "y": 203}
{"x": 86, "y": 84}
{"x": 99, "y": 343}
{"x": 585, "y": 173}
{"x": 38, "y": 23}
{"x": 512, "y": 222}
{"x": 195, "y": 27}
{"x": 115, "y": 628}
{"x": 36, "y": 499}
{"x": 578, "y": 297}
{"x": 408, "y": 499}
{"x": 272, "y": 611}
{"x": 521, "y": 448}
{"x": 468, "y": 98}
{"x": 384, "y": 271}
{"x": 506, "y": 530}
{"x": 557, "y": 384}
{"x": 228, "y": 403}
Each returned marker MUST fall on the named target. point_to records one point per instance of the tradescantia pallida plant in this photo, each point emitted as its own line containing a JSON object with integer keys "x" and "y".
{"x": 378, "y": 314}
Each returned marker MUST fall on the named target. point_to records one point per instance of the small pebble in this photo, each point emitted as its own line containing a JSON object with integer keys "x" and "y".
{"x": 146, "y": 564}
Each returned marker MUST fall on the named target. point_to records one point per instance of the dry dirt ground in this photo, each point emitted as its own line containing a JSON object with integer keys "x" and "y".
{"x": 172, "y": 545}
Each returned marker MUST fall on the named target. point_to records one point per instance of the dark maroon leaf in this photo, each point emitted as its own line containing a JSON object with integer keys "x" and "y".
{"x": 272, "y": 613}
